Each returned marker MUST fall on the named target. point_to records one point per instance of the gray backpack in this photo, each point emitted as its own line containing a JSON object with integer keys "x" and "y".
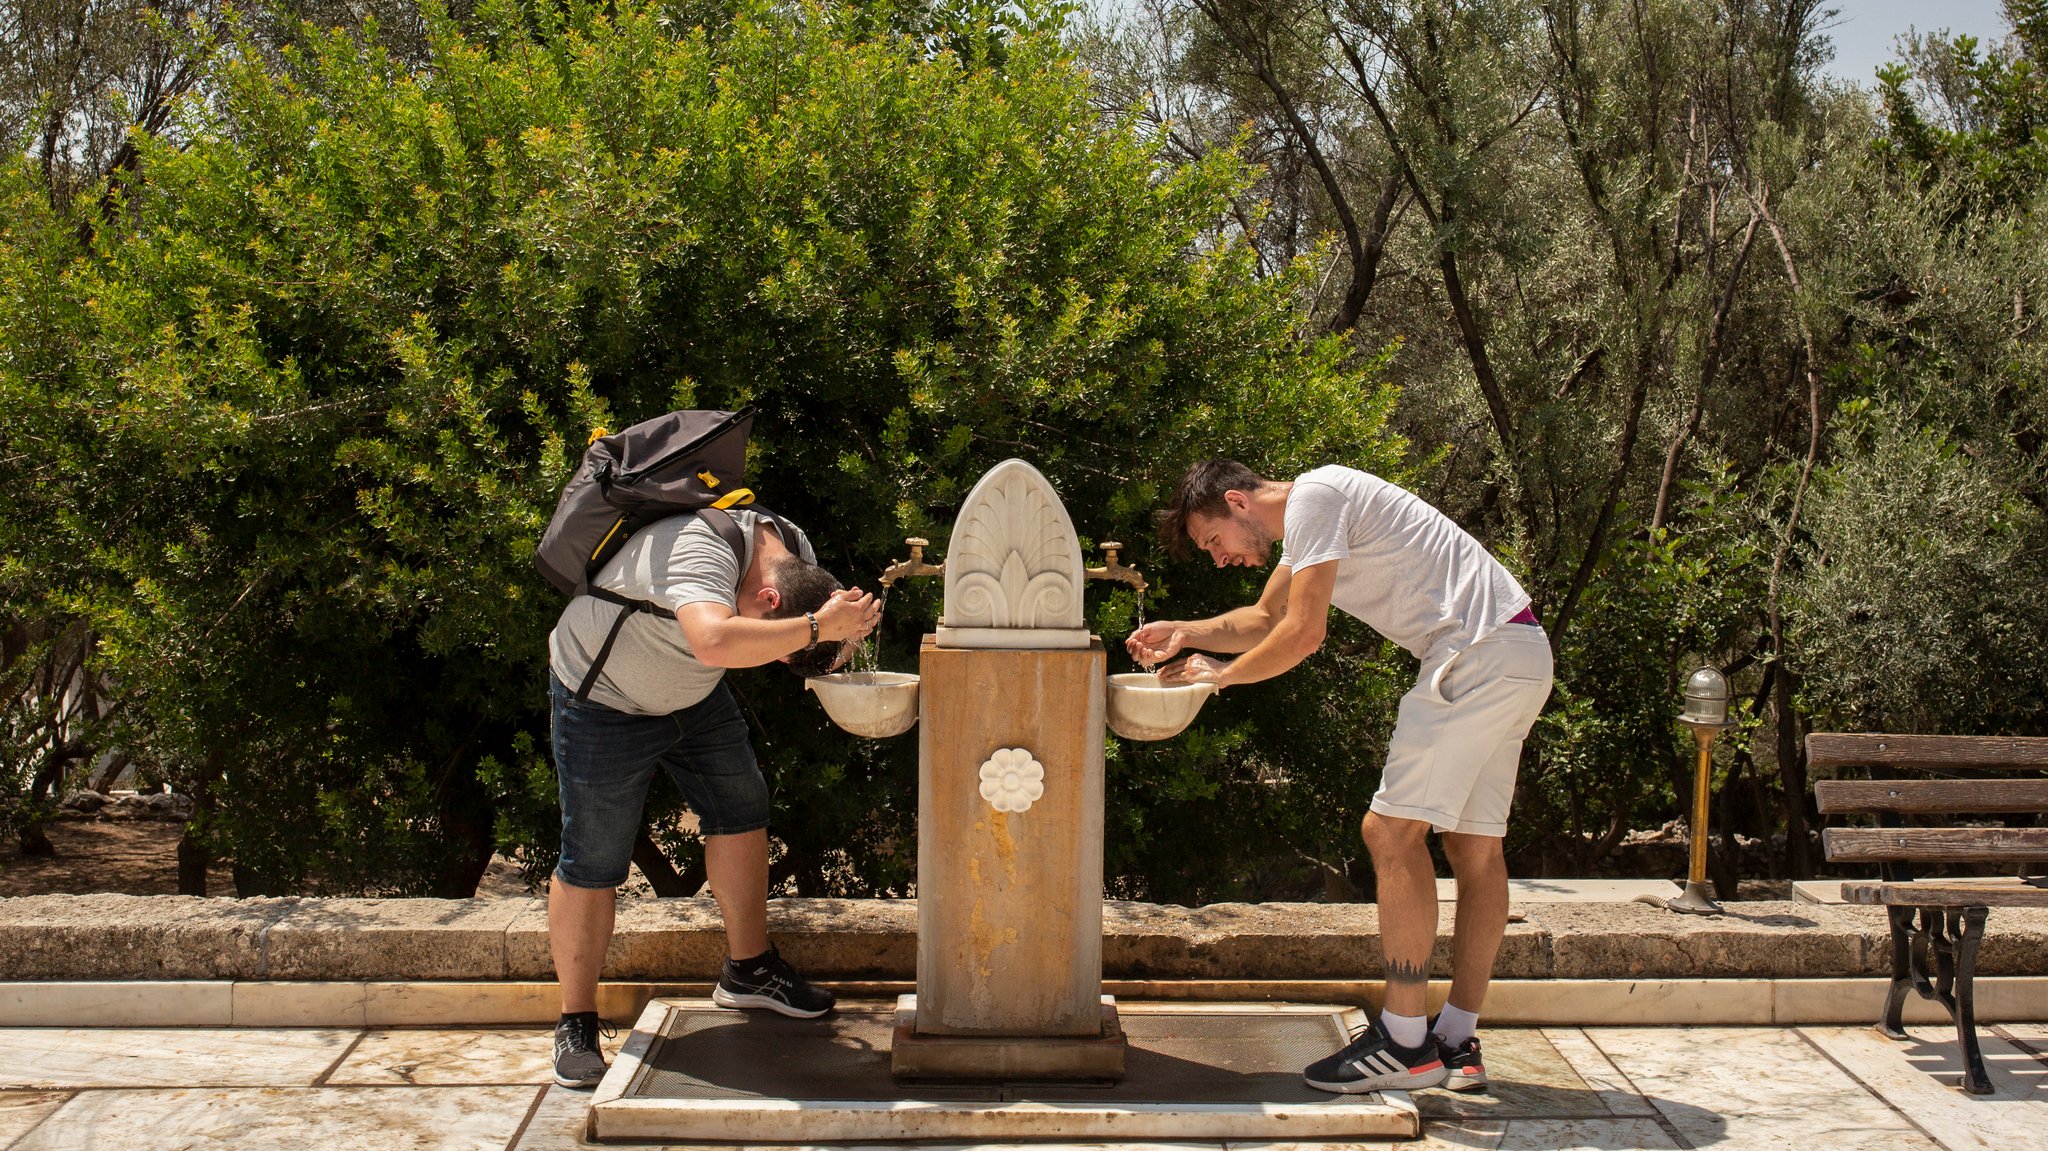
{"x": 674, "y": 464}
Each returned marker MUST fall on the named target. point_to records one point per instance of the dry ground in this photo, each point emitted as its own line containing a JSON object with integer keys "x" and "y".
{"x": 140, "y": 857}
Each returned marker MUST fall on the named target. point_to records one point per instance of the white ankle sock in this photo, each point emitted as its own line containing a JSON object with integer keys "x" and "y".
{"x": 1405, "y": 1030}
{"x": 1454, "y": 1025}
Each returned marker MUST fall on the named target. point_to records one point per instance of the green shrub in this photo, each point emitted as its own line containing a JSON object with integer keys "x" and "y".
{"x": 300, "y": 408}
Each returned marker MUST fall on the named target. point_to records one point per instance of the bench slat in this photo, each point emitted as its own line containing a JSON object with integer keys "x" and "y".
{"x": 1946, "y": 893}
{"x": 1992, "y": 752}
{"x": 1935, "y": 844}
{"x": 1931, "y": 796}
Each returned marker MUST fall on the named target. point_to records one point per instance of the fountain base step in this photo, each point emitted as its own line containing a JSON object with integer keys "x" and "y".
{"x": 924, "y": 1056}
{"x": 694, "y": 1071}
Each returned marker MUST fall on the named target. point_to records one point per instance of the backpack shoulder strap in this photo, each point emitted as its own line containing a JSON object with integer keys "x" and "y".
{"x": 721, "y": 521}
{"x": 718, "y": 520}
{"x": 627, "y": 606}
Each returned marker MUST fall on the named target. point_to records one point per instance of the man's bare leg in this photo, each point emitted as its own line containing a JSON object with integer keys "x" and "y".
{"x": 1482, "y": 917}
{"x": 1407, "y": 901}
{"x": 738, "y": 868}
{"x": 579, "y": 928}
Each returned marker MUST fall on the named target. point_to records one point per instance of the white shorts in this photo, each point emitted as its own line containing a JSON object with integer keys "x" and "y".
{"x": 1458, "y": 737}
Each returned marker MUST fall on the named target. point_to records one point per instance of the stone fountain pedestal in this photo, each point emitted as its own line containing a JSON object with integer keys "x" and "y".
{"x": 1009, "y": 910}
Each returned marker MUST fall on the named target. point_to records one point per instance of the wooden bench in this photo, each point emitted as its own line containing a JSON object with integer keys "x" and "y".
{"x": 1937, "y": 919}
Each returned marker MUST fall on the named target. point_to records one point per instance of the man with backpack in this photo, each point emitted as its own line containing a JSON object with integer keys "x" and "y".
{"x": 636, "y": 682}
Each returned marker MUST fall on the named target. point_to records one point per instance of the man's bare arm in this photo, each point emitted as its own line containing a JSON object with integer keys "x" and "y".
{"x": 721, "y": 637}
{"x": 1239, "y": 629}
{"x": 1303, "y": 623}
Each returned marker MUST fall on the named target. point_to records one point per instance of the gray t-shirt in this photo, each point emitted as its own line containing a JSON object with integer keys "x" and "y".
{"x": 1403, "y": 567}
{"x": 672, "y": 562}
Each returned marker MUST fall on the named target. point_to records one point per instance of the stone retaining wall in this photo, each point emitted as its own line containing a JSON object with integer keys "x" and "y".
{"x": 122, "y": 937}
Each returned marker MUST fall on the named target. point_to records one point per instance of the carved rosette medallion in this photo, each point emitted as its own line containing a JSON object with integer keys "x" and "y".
{"x": 1012, "y": 780}
{"x": 1013, "y": 567}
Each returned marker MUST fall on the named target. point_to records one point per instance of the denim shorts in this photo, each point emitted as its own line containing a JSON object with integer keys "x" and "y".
{"x": 605, "y": 760}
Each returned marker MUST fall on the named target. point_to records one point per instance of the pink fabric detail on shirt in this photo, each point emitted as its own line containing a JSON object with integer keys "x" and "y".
{"x": 1527, "y": 615}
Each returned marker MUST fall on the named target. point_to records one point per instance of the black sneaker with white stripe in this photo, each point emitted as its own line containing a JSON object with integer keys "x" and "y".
{"x": 1373, "y": 1062}
{"x": 766, "y": 981}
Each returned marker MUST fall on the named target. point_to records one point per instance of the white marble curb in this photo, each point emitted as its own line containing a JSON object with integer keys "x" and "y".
{"x": 617, "y": 1113}
{"x": 1510, "y": 1002}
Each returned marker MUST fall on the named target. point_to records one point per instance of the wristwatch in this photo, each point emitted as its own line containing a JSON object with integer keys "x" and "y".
{"x": 812, "y": 616}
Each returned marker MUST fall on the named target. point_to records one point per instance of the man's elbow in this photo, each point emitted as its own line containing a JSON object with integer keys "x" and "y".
{"x": 1305, "y": 642}
{"x": 710, "y": 649}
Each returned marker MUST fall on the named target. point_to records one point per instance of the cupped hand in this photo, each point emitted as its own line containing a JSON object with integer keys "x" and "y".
{"x": 1156, "y": 641}
{"x": 849, "y": 615}
{"x": 1196, "y": 668}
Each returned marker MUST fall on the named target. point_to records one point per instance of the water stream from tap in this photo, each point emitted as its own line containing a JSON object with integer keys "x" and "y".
{"x": 1141, "y": 627}
{"x": 867, "y": 654}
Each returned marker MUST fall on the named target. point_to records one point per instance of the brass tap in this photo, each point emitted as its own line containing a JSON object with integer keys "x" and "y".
{"x": 1114, "y": 570}
{"x": 914, "y": 566}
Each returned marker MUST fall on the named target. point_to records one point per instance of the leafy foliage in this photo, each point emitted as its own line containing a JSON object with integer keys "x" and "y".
{"x": 317, "y": 393}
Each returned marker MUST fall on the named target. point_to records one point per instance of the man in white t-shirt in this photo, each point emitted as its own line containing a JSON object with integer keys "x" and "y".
{"x": 701, "y": 604}
{"x": 1353, "y": 541}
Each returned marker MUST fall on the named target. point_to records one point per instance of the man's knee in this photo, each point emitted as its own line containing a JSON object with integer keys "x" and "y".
{"x": 1389, "y": 836}
{"x": 1472, "y": 853}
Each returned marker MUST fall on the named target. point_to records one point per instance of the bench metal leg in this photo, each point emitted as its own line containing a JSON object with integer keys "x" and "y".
{"x": 1947, "y": 940}
{"x": 1975, "y": 1080}
{"x": 1948, "y": 924}
{"x": 1905, "y": 971}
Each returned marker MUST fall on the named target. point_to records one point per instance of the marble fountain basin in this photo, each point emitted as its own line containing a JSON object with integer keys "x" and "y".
{"x": 871, "y": 704}
{"x": 1140, "y": 707}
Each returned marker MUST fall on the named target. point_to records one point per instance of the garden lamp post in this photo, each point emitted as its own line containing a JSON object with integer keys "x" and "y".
{"x": 1706, "y": 713}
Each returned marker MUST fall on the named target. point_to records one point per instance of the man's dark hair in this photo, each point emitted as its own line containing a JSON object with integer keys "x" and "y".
{"x": 1201, "y": 493}
{"x": 805, "y": 587}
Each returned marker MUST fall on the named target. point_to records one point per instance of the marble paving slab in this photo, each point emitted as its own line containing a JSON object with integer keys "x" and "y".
{"x": 20, "y": 1111}
{"x": 1598, "y": 1073}
{"x": 448, "y": 1057}
{"x": 1458, "y": 1135}
{"x": 1574, "y": 890}
{"x": 1918, "y": 1077}
{"x": 329, "y": 1119}
{"x": 1526, "y": 1078}
{"x": 2034, "y": 1035}
{"x": 1585, "y": 1135}
{"x": 558, "y": 1122}
{"x": 1754, "y": 1089}
{"x": 1817, "y": 891}
{"x": 45, "y": 1057}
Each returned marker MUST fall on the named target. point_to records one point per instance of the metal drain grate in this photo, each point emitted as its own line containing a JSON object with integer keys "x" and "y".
{"x": 1210, "y": 1059}
{"x": 718, "y": 1054}
{"x": 1173, "y": 1058}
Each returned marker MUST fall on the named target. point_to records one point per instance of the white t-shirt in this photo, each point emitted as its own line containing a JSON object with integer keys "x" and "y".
{"x": 651, "y": 670}
{"x": 1402, "y": 566}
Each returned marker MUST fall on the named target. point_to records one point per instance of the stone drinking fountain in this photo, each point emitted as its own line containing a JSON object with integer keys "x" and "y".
{"x": 1013, "y": 696}
{"x": 1009, "y": 1036}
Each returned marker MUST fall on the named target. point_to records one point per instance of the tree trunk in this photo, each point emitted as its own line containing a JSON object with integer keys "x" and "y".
{"x": 193, "y": 861}
{"x": 662, "y": 876}
{"x": 1792, "y": 778}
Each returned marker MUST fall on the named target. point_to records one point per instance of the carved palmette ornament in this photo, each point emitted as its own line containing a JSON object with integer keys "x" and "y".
{"x": 1014, "y": 565}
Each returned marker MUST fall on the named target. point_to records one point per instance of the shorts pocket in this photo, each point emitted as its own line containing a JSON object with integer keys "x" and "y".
{"x": 1442, "y": 686}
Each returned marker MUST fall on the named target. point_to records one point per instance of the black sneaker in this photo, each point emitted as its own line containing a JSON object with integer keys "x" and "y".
{"x": 766, "y": 981}
{"x": 1466, "y": 1072}
{"x": 1373, "y": 1062}
{"x": 579, "y": 1057}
